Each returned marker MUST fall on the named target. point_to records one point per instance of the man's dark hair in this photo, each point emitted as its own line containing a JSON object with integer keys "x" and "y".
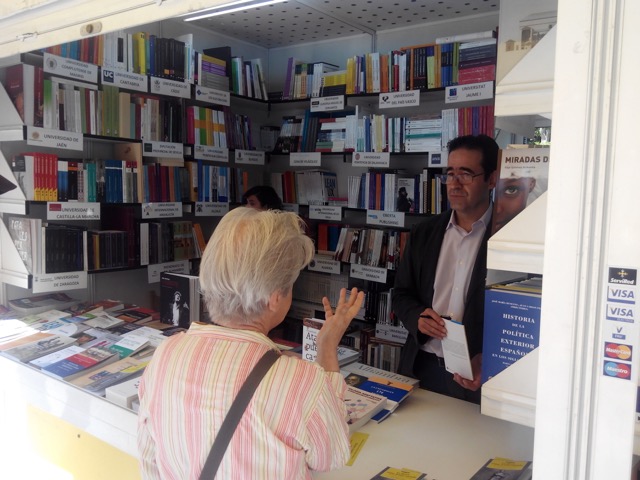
{"x": 481, "y": 143}
{"x": 269, "y": 199}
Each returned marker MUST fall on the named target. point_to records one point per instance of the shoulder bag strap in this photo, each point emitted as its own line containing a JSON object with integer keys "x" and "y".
{"x": 223, "y": 438}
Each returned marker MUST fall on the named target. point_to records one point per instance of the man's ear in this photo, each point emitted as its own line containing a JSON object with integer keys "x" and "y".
{"x": 493, "y": 179}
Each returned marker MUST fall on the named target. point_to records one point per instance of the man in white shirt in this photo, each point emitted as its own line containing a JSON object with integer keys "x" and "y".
{"x": 443, "y": 270}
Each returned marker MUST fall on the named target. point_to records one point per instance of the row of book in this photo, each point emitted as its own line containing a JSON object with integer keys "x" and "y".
{"x": 96, "y": 346}
{"x": 173, "y": 58}
{"x": 305, "y": 79}
{"x": 138, "y": 52}
{"x": 46, "y": 177}
{"x": 45, "y": 247}
{"x": 372, "y": 393}
{"x": 370, "y": 246}
{"x": 305, "y": 187}
{"x": 393, "y": 191}
{"x": 420, "y": 67}
{"x": 80, "y": 107}
{"x": 317, "y": 132}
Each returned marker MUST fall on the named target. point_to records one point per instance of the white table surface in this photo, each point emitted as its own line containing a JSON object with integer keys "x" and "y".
{"x": 445, "y": 438}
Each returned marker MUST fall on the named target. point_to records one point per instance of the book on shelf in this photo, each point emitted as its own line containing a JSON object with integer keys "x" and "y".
{"x": 361, "y": 406}
{"x": 523, "y": 175}
{"x": 132, "y": 366}
{"x": 23, "y": 83}
{"x": 42, "y": 303}
{"x": 504, "y": 469}
{"x": 511, "y": 327}
{"x": 180, "y": 299}
{"x": 38, "y": 348}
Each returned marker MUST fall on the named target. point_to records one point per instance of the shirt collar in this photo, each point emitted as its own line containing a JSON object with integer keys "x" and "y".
{"x": 197, "y": 328}
{"x": 483, "y": 221}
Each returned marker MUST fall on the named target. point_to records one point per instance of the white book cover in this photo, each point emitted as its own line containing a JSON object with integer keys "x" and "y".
{"x": 125, "y": 393}
{"x": 456, "y": 350}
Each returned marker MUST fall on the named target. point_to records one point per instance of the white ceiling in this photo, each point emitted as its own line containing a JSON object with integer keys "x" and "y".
{"x": 302, "y": 21}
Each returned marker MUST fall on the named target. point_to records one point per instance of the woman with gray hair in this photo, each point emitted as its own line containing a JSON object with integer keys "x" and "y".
{"x": 296, "y": 419}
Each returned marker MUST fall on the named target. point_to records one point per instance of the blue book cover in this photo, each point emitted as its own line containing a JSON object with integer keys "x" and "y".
{"x": 392, "y": 393}
{"x": 511, "y": 329}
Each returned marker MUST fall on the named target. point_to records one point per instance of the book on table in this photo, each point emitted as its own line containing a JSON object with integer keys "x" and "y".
{"x": 504, "y": 469}
{"x": 42, "y": 303}
{"x": 393, "y": 386}
{"x": 362, "y": 406}
{"x": 124, "y": 393}
{"x": 78, "y": 364}
{"x": 38, "y": 348}
{"x": 97, "y": 381}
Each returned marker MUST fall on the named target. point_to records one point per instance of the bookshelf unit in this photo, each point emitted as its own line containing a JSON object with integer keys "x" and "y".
{"x": 523, "y": 101}
{"x": 429, "y": 100}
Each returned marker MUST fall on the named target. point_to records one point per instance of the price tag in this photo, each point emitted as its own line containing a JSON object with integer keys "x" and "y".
{"x": 305, "y": 159}
{"x": 73, "y": 211}
{"x": 211, "y": 209}
{"x": 59, "y": 282}
{"x": 154, "y": 271}
{"x": 291, "y": 207}
{"x": 386, "y": 219}
{"x": 370, "y": 159}
{"x": 45, "y": 137}
{"x": 162, "y": 210}
{"x": 325, "y": 212}
{"x": 207, "y": 152}
{"x": 68, "y": 67}
{"x": 171, "y": 88}
{"x": 211, "y": 95}
{"x": 327, "y": 104}
{"x": 325, "y": 265}
{"x": 410, "y": 98}
{"x": 126, "y": 80}
{"x": 468, "y": 93}
{"x": 250, "y": 157}
{"x": 163, "y": 149}
{"x": 365, "y": 272}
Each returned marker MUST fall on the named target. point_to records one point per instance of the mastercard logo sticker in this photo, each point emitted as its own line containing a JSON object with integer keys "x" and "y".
{"x": 617, "y": 351}
{"x": 618, "y": 370}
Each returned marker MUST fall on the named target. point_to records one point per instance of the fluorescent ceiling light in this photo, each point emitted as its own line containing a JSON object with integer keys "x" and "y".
{"x": 230, "y": 8}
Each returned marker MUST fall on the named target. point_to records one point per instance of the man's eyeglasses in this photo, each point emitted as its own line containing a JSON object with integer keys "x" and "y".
{"x": 462, "y": 178}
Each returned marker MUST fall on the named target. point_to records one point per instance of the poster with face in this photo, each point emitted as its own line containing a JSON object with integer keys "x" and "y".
{"x": 523, "y": 175}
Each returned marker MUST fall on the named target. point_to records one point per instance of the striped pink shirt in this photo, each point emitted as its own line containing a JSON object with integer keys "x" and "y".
{"x": 294, "y": 423}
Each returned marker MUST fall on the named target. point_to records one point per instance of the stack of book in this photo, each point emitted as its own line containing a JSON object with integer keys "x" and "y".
{"x": 392, "y": 386}
{"x": 93, "y": 346}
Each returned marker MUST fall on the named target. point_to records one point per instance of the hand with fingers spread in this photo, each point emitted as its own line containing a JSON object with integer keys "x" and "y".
{"x": 335, "y": 324}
